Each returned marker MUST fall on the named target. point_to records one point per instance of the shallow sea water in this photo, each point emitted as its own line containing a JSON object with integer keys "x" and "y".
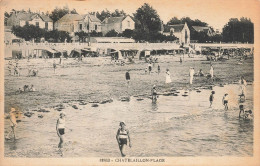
{"x": 174, "y": 126}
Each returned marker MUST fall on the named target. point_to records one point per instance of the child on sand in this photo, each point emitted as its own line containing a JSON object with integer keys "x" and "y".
{"x": 127, "y": 77}
{"x": 211, "y": 98}
{"x": 191, "y": 74}
{"x": 54, "y": 65}
{"x": 121, "y": 137}
{"x": 13, "y": 123}
{"x": 60, "y": 128}
{"x": 211, "y": 71}
{"x": 154, "y": 94}
{"x": 159, "y": 69}
{"x": 225, "y": 101}
{"x": 168, "y": 77}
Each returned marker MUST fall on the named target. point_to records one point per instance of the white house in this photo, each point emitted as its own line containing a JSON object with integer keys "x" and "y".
{"x": 207, "y": 30}
{"x": 27, "y": 18}
{"x": 76, "y": 23}
{"x": 181, "y": 31}
{"x": 119, "y": 24}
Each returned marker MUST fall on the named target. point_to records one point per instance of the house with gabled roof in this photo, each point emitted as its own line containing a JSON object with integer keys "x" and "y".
{"x": 76, "y": 23}
{"x": 119, "y": 24}
{"x": 28, "y": 18}
{"x": 181, "y": 31}
{"x": 207, "y": 30}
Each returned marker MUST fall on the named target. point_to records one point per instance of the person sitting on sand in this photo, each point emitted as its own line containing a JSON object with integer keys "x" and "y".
{"x": 154, "y": 94}
{"x": 32, "y": 89}
{"x": 121, "y": 137}
{"x": 225, "y": 101}
{"x": 146, "y": 70}
{"x": 200, "y": 73}
{"x": 26, "y": 88}
{"x": 211, "y": 98}
{"x": 60, "y": 128}
{"x": 248, "y": 115}
{"x": 13, "y": 123}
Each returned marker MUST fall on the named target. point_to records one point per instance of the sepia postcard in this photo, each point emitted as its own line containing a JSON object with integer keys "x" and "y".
{"x": 133, "y": 82}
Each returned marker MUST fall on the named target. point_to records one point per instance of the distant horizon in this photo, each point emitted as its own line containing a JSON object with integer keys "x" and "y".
{"x": 215, "y": 13}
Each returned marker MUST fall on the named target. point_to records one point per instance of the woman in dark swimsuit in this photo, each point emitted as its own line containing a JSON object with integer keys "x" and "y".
{"x": 121, "y": 137}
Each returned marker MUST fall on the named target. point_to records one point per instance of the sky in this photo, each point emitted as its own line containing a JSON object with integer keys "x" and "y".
{"x": 215, "y": 12}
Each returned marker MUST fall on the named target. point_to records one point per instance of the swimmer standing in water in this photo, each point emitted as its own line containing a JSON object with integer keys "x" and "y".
{"x": 60, "y": 128}
{"x": 13, "y": 123}
{"x": 121, "y": 137}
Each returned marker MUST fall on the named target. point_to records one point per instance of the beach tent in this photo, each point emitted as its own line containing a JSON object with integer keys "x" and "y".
{"x": 75, "y": 53}
{"x": 17, "y": 54}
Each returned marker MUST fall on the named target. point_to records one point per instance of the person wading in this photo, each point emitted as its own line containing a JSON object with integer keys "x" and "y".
{"x": 121, "y": 137}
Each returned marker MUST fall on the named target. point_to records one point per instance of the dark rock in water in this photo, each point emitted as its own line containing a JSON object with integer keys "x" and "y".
{"x": 43, "y": 110}
{"x": 185, "y": 95}
{"x": 185, "y": 92}
{"x": 65, "y": 101}
{"x": 60, "y": 106}
{"x": 177, "y": 92}
{"x": 75, "y": 107}
{"x": 198, "y": 91}
{"x": 18, "y": 120}
{"x": 125, "y": 99}
{"x": 175, "y": 95}
{"x": 40, "y": 116}
{"x": 139, "y": 99}
{"x": 28, "y": 114}
{"x": 110, "y": 100}
{"x": 59, "y": 109}
{"x": 221, "y": 85}
{"x": 82, "y": 103}
{"x": 103, "y": 102}
{"x": 94, "y": 105}
{"x": 94, "y": 102}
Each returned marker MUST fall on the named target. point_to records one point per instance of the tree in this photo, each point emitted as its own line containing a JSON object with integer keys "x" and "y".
{"x": 238, "y": 30}
{"x": 82, "y": 35}
{"x": 104, "y": 14}
{"x": 127, "y": 33}
{"x": 57, "y": 13}
{"x": 112, "y": 33}
{"x": 28, "y": 32}
{"x": 174, "y": 21}
{"x": 148, "y": 19}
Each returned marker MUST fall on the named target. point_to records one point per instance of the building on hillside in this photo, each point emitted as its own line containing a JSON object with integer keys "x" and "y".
{"x": 119, "y": 24}
{"x": 181, "y": 31}
{"x": 207, "y": 30}
{"x": 28, "y": 18}
{"x": 76, "y": 23}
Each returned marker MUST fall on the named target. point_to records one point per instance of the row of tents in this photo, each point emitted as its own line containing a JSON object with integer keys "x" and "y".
{"x": 88, "y": 52}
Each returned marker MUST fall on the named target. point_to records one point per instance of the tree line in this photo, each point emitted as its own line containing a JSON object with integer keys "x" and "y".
{"x": 148, "y": 26}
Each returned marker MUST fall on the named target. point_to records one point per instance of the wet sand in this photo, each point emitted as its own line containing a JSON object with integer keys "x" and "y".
{"x": 175, "y": 126}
